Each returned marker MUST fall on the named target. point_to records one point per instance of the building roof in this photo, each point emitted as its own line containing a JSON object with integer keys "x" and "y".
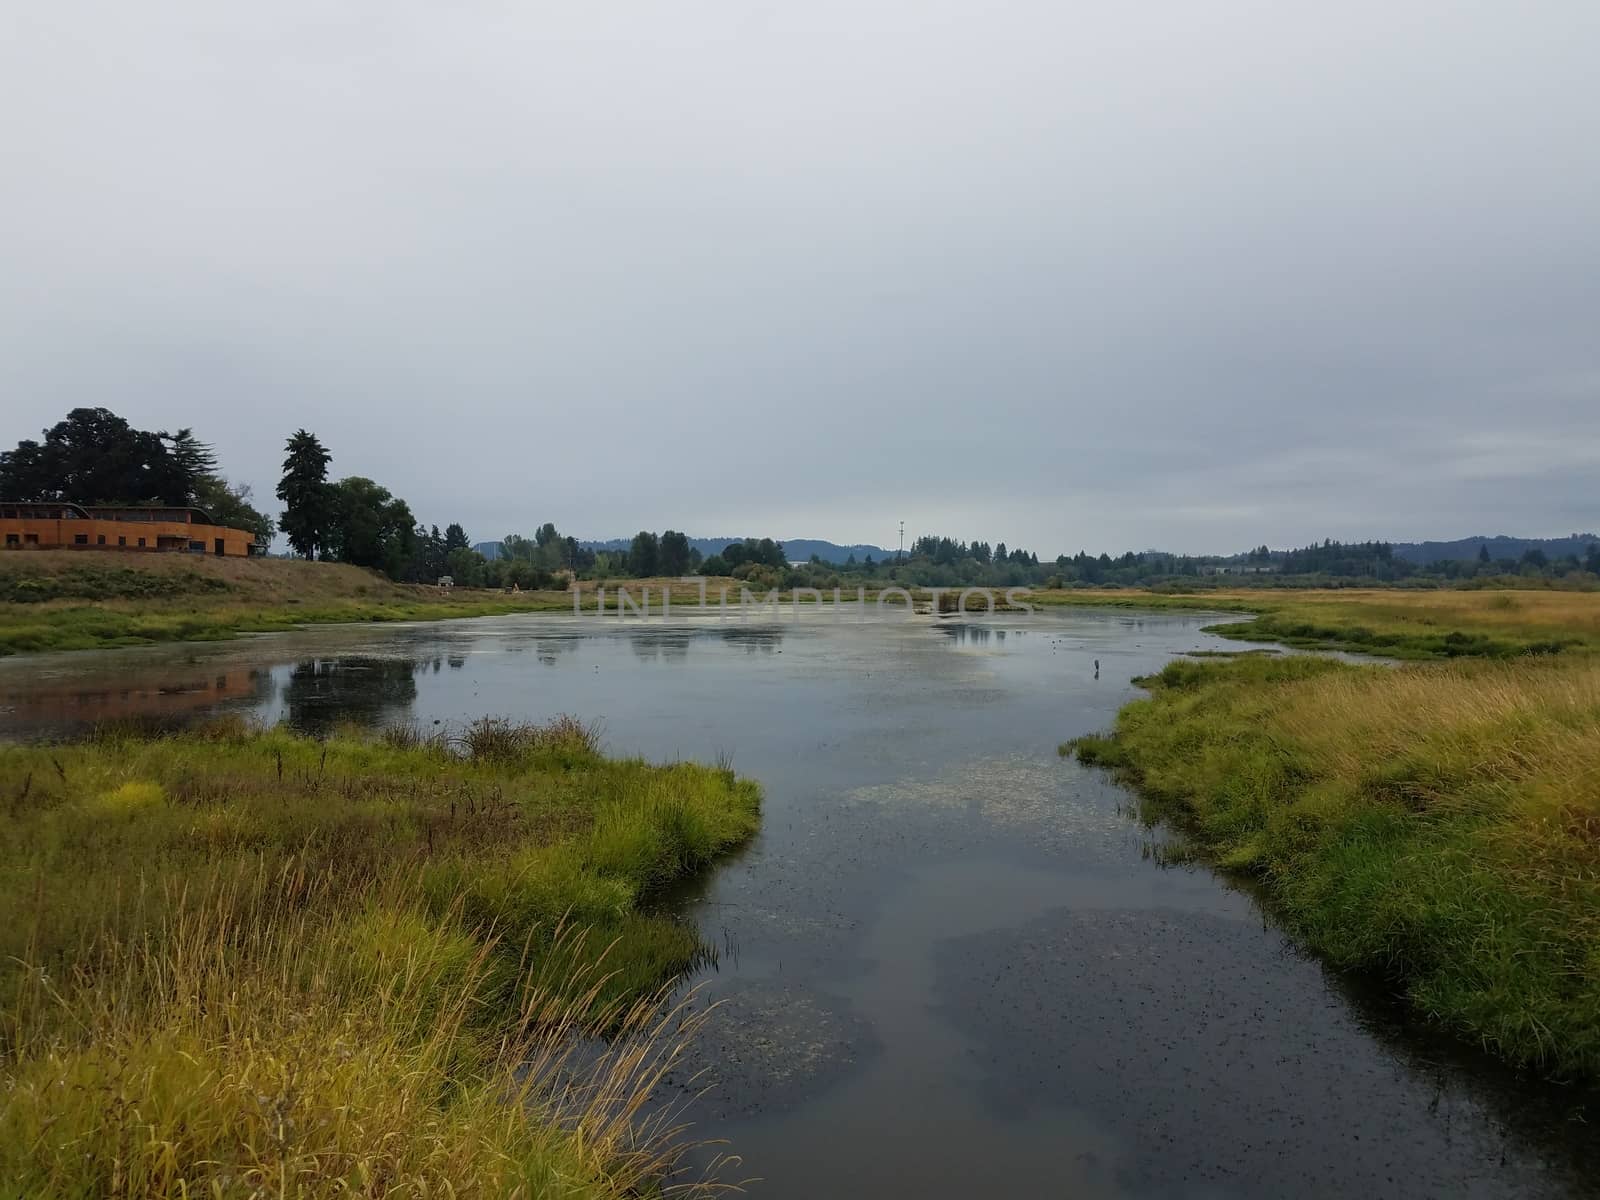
{"x": 88, "y": 512}
{"x": 201, "y": 516}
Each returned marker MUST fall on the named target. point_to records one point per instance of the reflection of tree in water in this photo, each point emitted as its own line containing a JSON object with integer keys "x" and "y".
{"x": 166, "y": 697}
{"x": 550, "y": 648}
{"x": 322, "y": 692}
{"x": 754, "y": 641}
{"x": 660, "y": 645}
{"x": 977, "y": 635}
{"x": 438, "y": 663}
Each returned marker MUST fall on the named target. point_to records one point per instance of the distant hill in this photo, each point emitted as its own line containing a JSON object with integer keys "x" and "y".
{"x": 798, "y": 549}
{"x": 1500, "y": 546}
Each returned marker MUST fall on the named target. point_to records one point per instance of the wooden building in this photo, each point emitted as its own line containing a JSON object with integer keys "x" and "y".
{"x": 57, "y": 525}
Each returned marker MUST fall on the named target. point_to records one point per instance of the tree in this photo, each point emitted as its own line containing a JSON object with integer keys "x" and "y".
{"x": 369, "y": 527}
{"x": 455, "y": 538}
{"x": 465, "y": 565}
{"x": 673, "y": 556}
{"x": 230, "y": 505}
{"x": 95, "y": 457}
{"x": 428, "y": 554}
{"x": 643, "y": 554}
{"x": 194, "y": 459}
{"x": 516, "y": 548}
{"x": 306, "y": 493}
{"x": 1483, "y": 554}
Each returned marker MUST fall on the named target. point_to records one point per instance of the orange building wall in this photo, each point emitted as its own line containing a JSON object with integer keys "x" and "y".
{"x": 62, "y": 535}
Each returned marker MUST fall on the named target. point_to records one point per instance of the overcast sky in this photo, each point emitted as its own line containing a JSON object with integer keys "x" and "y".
{"x": 1182, "y": 275}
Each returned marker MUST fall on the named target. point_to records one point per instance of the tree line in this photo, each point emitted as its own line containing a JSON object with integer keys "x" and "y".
{"x": 93, "y": 456}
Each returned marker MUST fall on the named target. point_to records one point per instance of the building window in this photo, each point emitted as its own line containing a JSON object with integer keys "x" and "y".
{"x": 122, "y": 541}
{"x": 13, "y": 540}
{"x": 30, "y": 539}
{"x": 100, "y": 540}
{"x": 80, "y": 539}
{"x": 141, "y": 543}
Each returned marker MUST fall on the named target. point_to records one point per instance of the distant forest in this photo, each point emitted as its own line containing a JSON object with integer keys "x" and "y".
{"x": 94, "y": 456}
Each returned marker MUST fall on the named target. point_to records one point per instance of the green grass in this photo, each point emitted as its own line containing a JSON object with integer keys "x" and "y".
{"x": 1405, "y": 623}
{"x": 102, "y": 581}
{"x": 86, "y": 600}
{"x": 241, "y": 963}
{"x": 1436, "y": 824}
{"x": 83, "y": 600}
{"x": 89, "y": 627}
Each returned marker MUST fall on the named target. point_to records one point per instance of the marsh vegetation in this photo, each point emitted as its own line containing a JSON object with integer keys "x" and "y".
{"x": 1432, "y": 623}
{"x": 1436, "y": 824}
{"x": 241, "y": 962}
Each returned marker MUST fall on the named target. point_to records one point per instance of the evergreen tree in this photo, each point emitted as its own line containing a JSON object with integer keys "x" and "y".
{"x": 673, "y": 558}
{"x": 309, "y": 513}
{"x": 643, "y": 554}
{"x": 193, "y": 459}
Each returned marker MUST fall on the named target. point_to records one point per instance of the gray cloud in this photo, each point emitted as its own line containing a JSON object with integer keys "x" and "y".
{"x": 1075, "y": 276}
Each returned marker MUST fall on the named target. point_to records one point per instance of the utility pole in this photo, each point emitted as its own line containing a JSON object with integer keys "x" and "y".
{"x": 898, "y": 549}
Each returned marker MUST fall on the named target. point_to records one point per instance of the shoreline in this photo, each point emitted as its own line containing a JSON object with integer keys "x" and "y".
{"x": 1426, "y": 825}
{"x": 250, "y": 954}
{"x": 206, "y": 601}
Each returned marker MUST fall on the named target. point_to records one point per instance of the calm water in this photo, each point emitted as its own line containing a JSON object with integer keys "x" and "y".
{"x": 950, "y": 965}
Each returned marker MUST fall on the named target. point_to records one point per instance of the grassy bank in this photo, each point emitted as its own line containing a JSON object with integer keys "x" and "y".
{"x": 67, "y": 600}
{"x": 243, "y": 963}
{"x": 62, "y": 600}
{"x": 1399, "y": 623}
{"x": 1438, "y": 824}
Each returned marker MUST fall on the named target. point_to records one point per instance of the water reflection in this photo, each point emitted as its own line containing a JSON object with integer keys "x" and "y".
{"x": 754, "y": 641}
{"x": 170, "y": 699}
{"x": 947, "y": 966}
{"x": 321, "y": 693}
{"x": 660, "y": 645}
{"x": 974, "y": 635}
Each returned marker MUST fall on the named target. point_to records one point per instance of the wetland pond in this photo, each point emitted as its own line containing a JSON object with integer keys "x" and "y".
{"x": 951, "y": 962}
